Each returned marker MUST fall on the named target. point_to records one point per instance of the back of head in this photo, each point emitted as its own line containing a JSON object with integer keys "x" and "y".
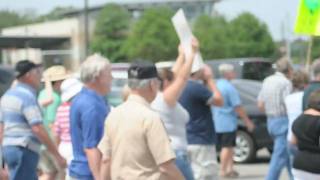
{"x": 316, "y": 69}
{"x": 283, "y": 65}
{"x": 140, "y": 73}
{"x": 91, "y": 68}
{"x": 314, "y": 100}
{"x": 300, "y": 79}
{"x": 165, "y": 74}
{"x": 225, "y": 68}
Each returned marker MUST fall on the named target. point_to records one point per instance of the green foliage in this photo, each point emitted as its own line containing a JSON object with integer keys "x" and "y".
{"x": 315, "y": 53}
{"x": 212, "y": 35}
{"x": 243, "y": 36}
{"x": 111, "y": 32}
{"x": 153, "y": 36}
{"x": 10, "y": 18}
{"x": 250, "y": 37}
{"x": 55, "y": 14}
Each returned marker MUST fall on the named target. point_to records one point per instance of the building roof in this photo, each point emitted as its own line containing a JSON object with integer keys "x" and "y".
{"x": 140, "y": 4}
{"x": 30, "y": 41}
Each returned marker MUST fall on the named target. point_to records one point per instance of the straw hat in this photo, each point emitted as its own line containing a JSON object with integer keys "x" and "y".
{"x": 55, "y": 73}
{"x": 70, "y": 88}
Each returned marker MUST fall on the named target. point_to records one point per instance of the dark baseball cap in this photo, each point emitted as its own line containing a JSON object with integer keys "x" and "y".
{"x": 142, "y": 70}
{"x": 24, "y": 66}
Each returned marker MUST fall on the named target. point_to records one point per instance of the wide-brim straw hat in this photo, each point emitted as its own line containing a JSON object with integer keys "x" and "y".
{"x": 55, "y": 73}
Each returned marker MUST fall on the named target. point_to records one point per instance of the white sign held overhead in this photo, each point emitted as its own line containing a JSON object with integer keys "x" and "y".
{"x": 185, "y": 35}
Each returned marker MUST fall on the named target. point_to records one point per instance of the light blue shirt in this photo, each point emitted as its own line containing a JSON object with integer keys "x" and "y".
{"x": 225, "y": 117}
{"x": 20, "y": 111}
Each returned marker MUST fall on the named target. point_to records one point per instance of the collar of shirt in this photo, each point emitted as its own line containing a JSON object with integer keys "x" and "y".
{"x": 92, "y": 93}
{"x": 27, "y": 87}
{"x": 138, "y": 99}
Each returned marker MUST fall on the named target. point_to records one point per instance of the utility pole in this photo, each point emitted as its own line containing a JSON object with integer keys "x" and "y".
{"x": 86, "y": 28}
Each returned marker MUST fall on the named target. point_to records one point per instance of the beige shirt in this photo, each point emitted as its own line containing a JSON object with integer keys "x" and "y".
{"x": 136, "y": 141}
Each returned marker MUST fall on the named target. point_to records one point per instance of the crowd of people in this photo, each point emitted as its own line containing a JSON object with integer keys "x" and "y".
{"x": 167, "y": 127}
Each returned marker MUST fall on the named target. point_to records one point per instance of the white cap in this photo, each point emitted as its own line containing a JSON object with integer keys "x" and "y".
{"x": 70, "y": 88}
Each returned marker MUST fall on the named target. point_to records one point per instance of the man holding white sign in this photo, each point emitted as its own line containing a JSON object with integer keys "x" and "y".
{"x": 199, "y": 94}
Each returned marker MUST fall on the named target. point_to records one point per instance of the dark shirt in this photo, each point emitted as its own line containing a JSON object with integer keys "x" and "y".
{"x": 313, "y": 86}
{"x": 87, "y": 115}
{"x": 200, "y": 128}
{"x": 307, "y": 130}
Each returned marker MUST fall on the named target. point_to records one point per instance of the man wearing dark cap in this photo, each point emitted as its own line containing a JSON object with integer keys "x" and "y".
{"x": 135, "y": 144}
{"x": 21, "y": 124}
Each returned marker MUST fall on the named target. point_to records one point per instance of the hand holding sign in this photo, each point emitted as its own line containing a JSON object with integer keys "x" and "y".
{"x": 186, "y": 37}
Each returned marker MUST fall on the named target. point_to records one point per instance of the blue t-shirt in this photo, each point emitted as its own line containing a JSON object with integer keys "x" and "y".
{"x": 194, "y": 99}
{"x": 225, "y": 117}
{"x": 87, "y": 115}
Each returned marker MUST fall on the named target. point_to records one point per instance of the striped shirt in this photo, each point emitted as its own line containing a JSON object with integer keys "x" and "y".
{"x": 62, "y": 122}
{"x": 20, "y": 111}
{"x": 274, "y": 90}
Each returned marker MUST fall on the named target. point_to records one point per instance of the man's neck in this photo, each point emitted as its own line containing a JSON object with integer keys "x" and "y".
{"x": 93, "y": 87}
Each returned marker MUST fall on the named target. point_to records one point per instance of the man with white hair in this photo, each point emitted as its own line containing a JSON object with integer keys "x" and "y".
{"x": 271, "y": 100}
{"x": 87, "y": 115}
{"x": 135, "y": 144}
{"x": 225, "y": 119}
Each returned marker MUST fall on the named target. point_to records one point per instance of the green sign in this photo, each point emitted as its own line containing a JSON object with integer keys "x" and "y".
{"x": 308, "y": 19}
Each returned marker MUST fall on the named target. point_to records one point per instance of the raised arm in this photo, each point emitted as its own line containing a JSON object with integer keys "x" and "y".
{"x": 172, "y": 93}
{"x": 217, "y": 98}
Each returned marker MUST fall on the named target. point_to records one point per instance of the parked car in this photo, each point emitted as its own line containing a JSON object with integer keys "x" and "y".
{"x": 247, "y": 143}
{"x": 245, "y": 68}
{"x": 120, "y": 79}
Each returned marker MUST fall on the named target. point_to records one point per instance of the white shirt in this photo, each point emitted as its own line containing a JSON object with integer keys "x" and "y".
{"x": 294, "y": 109}
{"x": 175, "y": 120}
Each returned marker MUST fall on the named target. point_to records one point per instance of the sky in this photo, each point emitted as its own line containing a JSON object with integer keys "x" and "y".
{"x": 279, "y": 15}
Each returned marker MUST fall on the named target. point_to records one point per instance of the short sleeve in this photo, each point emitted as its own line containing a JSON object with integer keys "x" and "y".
{"x": 32, "y": 112}
{"x": 234, "y": 97}
{"x": 202, "y": 92}
{"x": 91, "y": 127}
{"x": 156, "y": 135}
{"x": 56, "y": 125}
{"x": 105, "y": 145}
{"x": 1, "y": 116}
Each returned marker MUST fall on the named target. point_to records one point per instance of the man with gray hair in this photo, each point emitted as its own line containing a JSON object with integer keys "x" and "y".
{"x": 226, "y": 119}
{"x": 313, "y": 85}
{"x": 271, "y": 100}
{"x": 87, "y": 115}
{"x": 135, "y": 144}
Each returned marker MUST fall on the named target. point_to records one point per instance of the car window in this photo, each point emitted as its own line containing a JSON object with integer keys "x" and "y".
{"x": 257, "y": 70}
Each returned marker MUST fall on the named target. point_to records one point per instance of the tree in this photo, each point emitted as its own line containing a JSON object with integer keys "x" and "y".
{"x": 55, "y": 14}
{"x": 10, "y": 18}
{"x": 153, "y": 36}
{"x": 249, "y": 37}
{"x": 111, "y": 32}
{"x": 213, "y": 37}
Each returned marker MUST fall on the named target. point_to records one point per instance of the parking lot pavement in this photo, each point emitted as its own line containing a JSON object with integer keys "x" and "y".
{"x": 258, "y": 170}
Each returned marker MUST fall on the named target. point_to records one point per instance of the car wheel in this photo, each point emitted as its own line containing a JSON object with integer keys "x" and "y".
{"x": 245, "y": 150}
